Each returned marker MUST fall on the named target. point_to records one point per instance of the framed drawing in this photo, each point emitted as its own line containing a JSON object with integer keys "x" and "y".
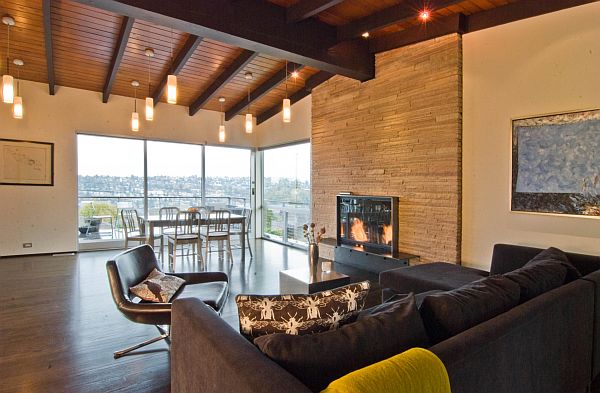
{"x": 26, "y": 163}
{"x": 556, "y": 164}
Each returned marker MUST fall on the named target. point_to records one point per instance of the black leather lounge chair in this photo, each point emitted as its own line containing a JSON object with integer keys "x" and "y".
{"x": 130, "y": 267}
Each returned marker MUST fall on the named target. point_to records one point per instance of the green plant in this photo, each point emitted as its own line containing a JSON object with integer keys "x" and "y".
{"x": 98, "y": 209}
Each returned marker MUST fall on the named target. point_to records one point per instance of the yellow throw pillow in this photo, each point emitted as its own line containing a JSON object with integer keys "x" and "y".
{"x": 414, "y": 371}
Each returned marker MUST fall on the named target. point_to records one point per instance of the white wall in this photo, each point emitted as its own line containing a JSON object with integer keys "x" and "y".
{"x": 275, "y": 132}
{"x": 47, "y": 216}
{"x": 536, "y": 66}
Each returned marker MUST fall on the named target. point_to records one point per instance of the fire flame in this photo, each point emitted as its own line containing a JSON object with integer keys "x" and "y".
{"x": 358, "y": 231}
{"x": 387, "y": 234}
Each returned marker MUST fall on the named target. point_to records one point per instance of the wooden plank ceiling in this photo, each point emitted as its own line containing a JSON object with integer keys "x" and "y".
{"x": 85, "y": 44}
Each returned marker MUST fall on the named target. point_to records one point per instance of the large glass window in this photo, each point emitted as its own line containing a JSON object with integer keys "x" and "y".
{"x": 110, "y": 178}
{"x": 227, "y": 177}
{"x": 286, "y": 192}
{"x": 174, "y": 175}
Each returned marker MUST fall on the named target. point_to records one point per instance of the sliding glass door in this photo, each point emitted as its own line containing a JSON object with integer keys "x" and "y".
{"x": 227, "y": 177}
{"x": 110, "y": 178}
{"x": 286, "y": 193}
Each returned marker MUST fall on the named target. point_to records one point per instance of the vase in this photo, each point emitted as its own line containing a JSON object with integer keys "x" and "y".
{"x": 313, "y": 257}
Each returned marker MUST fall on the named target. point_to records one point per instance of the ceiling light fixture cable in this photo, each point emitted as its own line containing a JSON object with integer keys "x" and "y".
{"x": 149, "y": 100}
{"x": 222, "y": 126}
{"x": 287, "y": 110}
{"x": 8, "y": 90}
{"x": 248, "y": 124}
{"x": 171, "y": 78}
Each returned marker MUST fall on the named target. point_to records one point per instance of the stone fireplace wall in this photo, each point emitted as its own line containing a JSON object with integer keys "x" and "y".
{"x": 398, "y": 134}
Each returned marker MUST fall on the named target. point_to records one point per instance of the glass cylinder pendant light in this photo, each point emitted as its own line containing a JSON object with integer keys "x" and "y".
{"x": 18, "y": 100}
{"x": 172, "y": 80}
{"x": 248, "y": 124}
{"x": 172, "y": 89}
{"x": 287, "y": 110}
{"x": 222, "y": 126}
{"x": 149, "y": 99}
{"x": 8, "y": 92}
{"x": 18, "y": 107}
{"x": 135, "y": 117}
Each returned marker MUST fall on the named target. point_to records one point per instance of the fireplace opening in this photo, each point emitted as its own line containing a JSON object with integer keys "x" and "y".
{"x": 369, "y": 223}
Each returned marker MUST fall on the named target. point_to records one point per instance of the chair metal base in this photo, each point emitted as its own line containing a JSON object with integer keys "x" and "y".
{"x": 165, "y": 335}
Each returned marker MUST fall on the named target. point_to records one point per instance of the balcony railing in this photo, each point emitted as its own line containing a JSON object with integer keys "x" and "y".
{"x": 283, "y": 221}
{"x": 99, "y": 216}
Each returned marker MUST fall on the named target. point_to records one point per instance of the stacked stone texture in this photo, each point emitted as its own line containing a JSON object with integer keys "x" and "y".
{"x": 398, "y": 134}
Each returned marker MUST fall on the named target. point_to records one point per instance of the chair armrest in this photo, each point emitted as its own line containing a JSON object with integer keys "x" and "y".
{"x": 209, "y": 356}
{"x": 201, "y": 277}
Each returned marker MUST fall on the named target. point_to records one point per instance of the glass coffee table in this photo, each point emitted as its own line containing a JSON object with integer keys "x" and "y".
{"x": 302, "y": 281}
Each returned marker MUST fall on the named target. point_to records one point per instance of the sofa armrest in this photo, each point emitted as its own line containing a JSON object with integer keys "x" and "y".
{"x": 509, "y": 257}
{"x": 209, "y": 356}
{"x": 594, "y": 278}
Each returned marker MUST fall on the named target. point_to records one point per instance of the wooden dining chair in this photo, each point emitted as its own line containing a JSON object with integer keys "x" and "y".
{"x": 186, "y": 233}
{"x": 168, "y": 213}
{"x": 218, "y": 228}
{"x": 134, "y": 229}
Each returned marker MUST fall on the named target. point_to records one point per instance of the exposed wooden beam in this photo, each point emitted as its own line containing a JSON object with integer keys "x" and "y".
{"x": 47, "y": 14}
{"x": 235, "y": 68}
{"x": 310, "y": 84}
{"x": 463, "y": 24}
{"x": 182, "y": 57}
{"x": 305, "y": 9}
{"x": 516, "y": 11}
{"x": 402, "y": 12}
{"x": 258, "y": 26}
{"x": 261, "y": 90}
{"x": 115, "y": 62}
{"x": 447, "y": 25}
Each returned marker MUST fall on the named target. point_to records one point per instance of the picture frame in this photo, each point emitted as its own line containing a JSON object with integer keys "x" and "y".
{"x": 26, "y": 163}
{"x": 556, "y": 165}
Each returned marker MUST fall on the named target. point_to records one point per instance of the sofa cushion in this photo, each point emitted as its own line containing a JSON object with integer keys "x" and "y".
{"x": 535, "y": 279}
{"x": 300, "y": 314}
{"x": 446, "y": 314}
{"x": 157, "y": 287}
{"x": 554, "y": 255}
{"x": 390, "y": 295}
{"x": 318, "y": 359}
{"x": 429, "y": 276}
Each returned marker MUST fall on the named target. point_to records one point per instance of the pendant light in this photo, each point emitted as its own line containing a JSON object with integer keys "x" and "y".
{"x": 149, "y": 100}
{"x": 172, "y": 80}
{"x": 18, "y": 100}
{"x": 8, "y": 90}
{"x": 287, "y": 109}
{"x": 222, "y": 126}
{"x": 135, "y": 117}
{"x": 248, "y": 77}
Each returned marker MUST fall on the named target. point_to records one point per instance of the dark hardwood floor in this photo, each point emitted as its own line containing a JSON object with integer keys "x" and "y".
{"x": 59, "y": 325}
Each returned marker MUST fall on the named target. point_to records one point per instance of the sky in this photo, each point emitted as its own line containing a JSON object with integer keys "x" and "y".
{"x": 125, "y": 157}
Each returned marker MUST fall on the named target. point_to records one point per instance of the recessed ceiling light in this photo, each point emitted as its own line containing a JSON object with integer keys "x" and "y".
{"x": 365, "y": 34}
{"x": 295, "y": 74}
{"x": 424, "y": 15}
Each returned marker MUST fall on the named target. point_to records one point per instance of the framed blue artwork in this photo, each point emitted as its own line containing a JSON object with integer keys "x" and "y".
{"x": 556, "y": 164}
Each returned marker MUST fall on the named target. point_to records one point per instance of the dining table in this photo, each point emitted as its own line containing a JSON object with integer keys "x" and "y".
{"x": 153, "y": 222}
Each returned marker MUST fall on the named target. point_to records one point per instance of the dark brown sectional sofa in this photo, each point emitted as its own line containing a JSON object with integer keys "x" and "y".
{"x": 549, "y": 344}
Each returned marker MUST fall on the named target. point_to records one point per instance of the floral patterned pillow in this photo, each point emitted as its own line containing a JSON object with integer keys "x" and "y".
{"x": 157, "y": 287}
{"x": 300, "y": 314}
